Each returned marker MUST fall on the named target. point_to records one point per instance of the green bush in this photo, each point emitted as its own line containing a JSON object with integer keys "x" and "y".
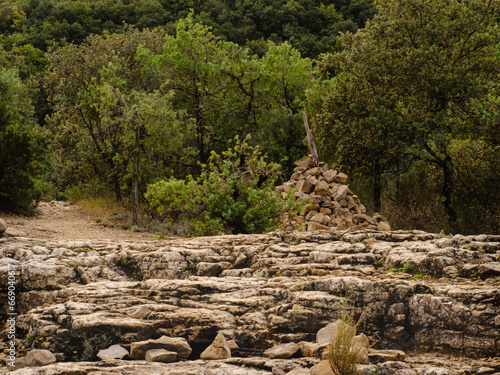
{"x": 233, "y": 194}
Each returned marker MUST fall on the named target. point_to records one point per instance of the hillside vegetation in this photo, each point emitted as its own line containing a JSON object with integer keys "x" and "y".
{"x": 106, "y": 98}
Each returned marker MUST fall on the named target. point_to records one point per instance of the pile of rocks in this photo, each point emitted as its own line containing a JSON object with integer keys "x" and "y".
{"x": 332, "y": 203}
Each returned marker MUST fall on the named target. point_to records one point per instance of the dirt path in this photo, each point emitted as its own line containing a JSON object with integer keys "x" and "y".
{"x": 66, "y": 221}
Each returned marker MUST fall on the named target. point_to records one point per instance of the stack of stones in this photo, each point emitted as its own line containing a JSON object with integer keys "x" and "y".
{"x": 331, "y": 203}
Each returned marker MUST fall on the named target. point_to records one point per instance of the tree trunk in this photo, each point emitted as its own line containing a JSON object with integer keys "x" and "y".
{"x": 135, "y": 176}
{"x": 116, "y": 187}
{"x": 377, "y": 186}
{"x": 447, "y": 166}
{"x": 310, "y": 140}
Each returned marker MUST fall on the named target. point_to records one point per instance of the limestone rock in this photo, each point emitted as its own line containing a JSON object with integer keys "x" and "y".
{"x": 39, "y": 357}
{"x": 325, "y": 334}
{"x": 299, "y": 371}
{"x": 329, "y": 175}
{"x": 309, "y": 349}
{"x": 304, "y": 186}
{"x": 160, "y": 355}
{"x": 322, "y": 368}
{"x": 178, "y": 345}
{"x": 219, "y": 349}
{"x": 282, "y": 351}
{"x": 378, "y": 356}
{"x": 383, "y": 226}
{"x": 313, "y": 226}
{"x": 113, "y": 352}
{"x": 340, "y": 178}
{"x": 341, "y": 193}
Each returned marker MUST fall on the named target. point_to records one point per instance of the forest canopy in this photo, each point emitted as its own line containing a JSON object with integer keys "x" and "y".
{"x": 110, "y": 98}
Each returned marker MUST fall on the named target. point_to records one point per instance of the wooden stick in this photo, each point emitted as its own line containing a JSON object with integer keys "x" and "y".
{"x": 310, "y": 140}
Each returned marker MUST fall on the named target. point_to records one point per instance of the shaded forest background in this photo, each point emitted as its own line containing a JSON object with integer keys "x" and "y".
{"x": 107, "y": 99}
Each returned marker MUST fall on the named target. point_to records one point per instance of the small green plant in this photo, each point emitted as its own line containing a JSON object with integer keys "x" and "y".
{"x": 419, "y": 276}
{"x": 391, "y": 270}
{"x": 408, "y": 268}
{"x": 31, "y": 338}
{"x": 475, "y": 255}
{"x": 344, "y": 350}
{"x": 129, "y": 267}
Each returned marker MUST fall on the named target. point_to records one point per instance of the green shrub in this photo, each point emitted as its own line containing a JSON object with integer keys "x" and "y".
{"x": 234, "y": 194}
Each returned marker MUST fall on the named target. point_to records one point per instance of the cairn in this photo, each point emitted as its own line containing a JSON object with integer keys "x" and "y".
{"x": 333, "y": 204}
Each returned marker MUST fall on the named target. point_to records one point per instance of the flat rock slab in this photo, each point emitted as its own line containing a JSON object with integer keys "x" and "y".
{"x": 113, "y": 352}
{"x": 178, "y": 345}
{"x": 160, "y": 355}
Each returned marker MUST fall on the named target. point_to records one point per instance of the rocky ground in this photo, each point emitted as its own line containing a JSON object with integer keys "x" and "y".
{"x": 436, "y": 299}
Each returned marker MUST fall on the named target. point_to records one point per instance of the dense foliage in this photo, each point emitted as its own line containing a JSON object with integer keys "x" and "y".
{"x": 407, "y": 93}
{"x": 110, "y": 97}
{"x": 233, "y": 194}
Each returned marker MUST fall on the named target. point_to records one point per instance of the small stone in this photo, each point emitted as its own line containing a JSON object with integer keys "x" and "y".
{"x": 313, "y": 226}
{"x": 341, "y": 178}
{"x": 160, "y": 355}
{"x": 113, "y": 352}
{"x": 322, "y": 188}
{"x": 39, "y": 357}
{"x": 299, "y": 371}
{"x": 308, "y": 349}
{"x": 314, "y": 171}
{"x": 325, "y": 211}
{"x": 341, "y": 193}
{"x": 329, "y": 175}
{"x": 378, "y": 356}
{"x": 319, "y": 218}
{"x": 304, "y": 162}
{"x": 218, "y": 349}
{"x": 299, "y": 169}
{"x": 311, "y": 214}
{"x": 282, "y": 351}
{"x": 325, "y": 334}
{"x": 176, "y": 344}
{"x": 322, "y": 368}
{"x": 383, "y": 226}
{"x": 232, "y": 344}
{"x": 304, "y": 186}
{"x": 310, "y": 207}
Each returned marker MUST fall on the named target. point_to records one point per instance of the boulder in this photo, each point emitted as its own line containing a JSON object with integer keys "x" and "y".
{"x": 39, "y": 357}
{"x": 282, "y": 351}
{"x": 113, "y": 352}
{"x": 175, "y": 344}
{"x": 160, "y": 355}
{"x": 219, "y": 349}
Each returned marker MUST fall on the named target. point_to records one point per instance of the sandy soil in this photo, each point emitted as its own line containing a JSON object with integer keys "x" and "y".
{"x": 67, "y": 221}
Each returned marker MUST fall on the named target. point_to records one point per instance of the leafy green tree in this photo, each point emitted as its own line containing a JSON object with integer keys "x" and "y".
{"x": 87, "y": 136}
{"x": 425, "y": 64}
{"x": 234, "y": 194}
{"x": 19, "y": 145}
